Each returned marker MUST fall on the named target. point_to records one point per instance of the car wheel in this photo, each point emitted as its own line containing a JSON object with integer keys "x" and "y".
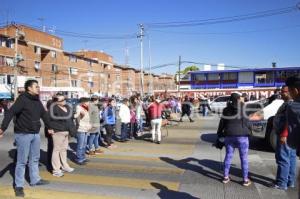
{"x": 273, "y": 139}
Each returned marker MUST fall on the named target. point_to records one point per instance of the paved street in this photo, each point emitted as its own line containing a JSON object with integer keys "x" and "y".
{"x": 184, "y": 166}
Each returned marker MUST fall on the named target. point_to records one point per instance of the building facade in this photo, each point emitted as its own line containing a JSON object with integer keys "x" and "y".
{"x": 29, "y": 53}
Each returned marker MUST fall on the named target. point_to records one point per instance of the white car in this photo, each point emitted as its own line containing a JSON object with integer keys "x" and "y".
{"x": 263, "y": 128}
{"x": 218, "y": 104}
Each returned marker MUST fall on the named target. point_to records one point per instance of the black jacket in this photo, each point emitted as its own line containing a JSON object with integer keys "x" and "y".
{"x": 293, "y": 120}
{"x": 59, "y": 119}
{"x": 233, "y": 123}
{"x": 28, "y": 110}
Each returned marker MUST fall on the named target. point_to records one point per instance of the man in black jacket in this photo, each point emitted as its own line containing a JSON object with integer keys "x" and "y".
{"x": 27, "y": 110}
{"x": 293, "y": 116}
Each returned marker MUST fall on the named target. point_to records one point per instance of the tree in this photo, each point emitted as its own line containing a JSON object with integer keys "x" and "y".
{"x": 189, "y": 68}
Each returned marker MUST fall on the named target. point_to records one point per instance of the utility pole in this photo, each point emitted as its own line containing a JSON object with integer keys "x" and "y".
{"x": 141, "y": 35}
{"x": 179, "y": 72}
{"x": 16, "y": 64}
{"x": 150, "y": 72}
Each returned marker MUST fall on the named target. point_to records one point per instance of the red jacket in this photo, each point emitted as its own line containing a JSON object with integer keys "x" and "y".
{"x": 285, "y": 132}
{"x": 155, "y": 110}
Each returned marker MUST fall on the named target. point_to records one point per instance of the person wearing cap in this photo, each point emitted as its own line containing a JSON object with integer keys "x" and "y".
{"x": 234, "y": 128}
{"x": 293, "y": 116}
{"x": 93, "y": 140}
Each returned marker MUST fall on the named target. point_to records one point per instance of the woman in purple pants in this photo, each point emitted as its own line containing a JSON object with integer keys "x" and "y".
{"x": 234, "y": 127}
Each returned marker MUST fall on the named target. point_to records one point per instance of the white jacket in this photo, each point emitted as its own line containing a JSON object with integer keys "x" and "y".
{"x": 124, "y": 114}
{"x": 84, "y": 119}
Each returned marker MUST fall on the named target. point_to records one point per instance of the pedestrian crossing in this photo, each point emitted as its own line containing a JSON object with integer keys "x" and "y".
{"x": 134, "y": 167}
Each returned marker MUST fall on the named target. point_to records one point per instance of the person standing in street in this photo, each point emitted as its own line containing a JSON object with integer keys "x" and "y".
{"x": 93, "y": 141}
{"x": 84, "y": 127}
{"x": 186, "y": 109}
{"x": 109, "y": 117}
{"x": 293, "y": 117}
{"x": 27, "y": 110}
{"x": 60, "y": 119}
{"x": 234, "y": 127}
{"x": 284, "y": 155}
{"x": 155, "y": 114}
{"x": 124, "y": 114}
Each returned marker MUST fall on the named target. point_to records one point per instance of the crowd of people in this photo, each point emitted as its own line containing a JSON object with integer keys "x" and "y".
{"x": 93, "y": 122}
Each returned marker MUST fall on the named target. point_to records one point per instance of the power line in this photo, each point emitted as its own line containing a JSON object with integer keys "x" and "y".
{"x": 86, "y": 35}
{"x": 228, "y": 33}
{"x": 211, "y": 21}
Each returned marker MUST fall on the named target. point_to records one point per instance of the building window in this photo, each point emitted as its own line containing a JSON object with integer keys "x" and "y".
{"x": 264, "y": 77}
{"x": 74, "y": 83}
{"x": 9, "y": 61}
{"x": 108, "y": 76}
{"x": 2, "y": 79}
{"x": 6, "y": 42}
{"x": 10, "y": 79}
{"x": 72, "y": 58}
{"x": 73, "y": 71}
{"x": 37, "y": 65}
{"x": 53, "y": 54}
{"x": 91, "y": 84}
{"x": 2, "y": 61}
{"x": 118, "y": 77}
{"x": 37, "y": 50}
{"x": 3, "y": 42}
{"x": 54, "y": 68}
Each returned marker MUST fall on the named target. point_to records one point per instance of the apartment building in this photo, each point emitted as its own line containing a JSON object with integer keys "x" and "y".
{"x": 41, "y": 56}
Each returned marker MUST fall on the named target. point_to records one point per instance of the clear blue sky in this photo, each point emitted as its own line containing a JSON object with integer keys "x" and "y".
{"x": 257, "y": 42}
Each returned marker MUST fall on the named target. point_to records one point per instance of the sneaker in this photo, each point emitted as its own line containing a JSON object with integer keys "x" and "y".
{"x": 81, "y": 163}
{"x": 226, "y": 180}
{"x": 158, "y": 142}
{"x": 192, "y": 121}
{"x": 291, "y": 186}
{"x": 98, "y": 151}
{"x": 69, "y": 170}
{"x": 58, "y": 174}
{"x": 247, "y": 183}
{"x": 91, "y": 153}
{"x": 19, "y": 192}
{"x": 41, "y": 182}
{"x": 279, "y": 187}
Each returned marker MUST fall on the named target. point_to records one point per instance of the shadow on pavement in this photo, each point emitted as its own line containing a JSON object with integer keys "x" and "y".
{"x": 165, "y": 193}
{"x": 204, "y": 166}
{"x": 257, "y": 144}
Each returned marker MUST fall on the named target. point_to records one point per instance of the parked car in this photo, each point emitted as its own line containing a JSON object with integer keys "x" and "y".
{"x": 263, "y": 128}
{"x": 218, "y": 104}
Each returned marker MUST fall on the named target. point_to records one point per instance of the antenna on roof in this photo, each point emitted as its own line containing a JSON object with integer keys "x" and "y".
{"x": 41, "y": 19}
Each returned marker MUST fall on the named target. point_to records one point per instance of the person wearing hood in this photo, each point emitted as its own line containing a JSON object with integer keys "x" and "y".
{"x": 27, "y": 110}
{"x": 234, "y": 128}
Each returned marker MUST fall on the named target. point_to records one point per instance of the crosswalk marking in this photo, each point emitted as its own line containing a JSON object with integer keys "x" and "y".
{"x": 7, "y": 192}
{"x": 109, "y": 181}
{"x": 131, "y": 168}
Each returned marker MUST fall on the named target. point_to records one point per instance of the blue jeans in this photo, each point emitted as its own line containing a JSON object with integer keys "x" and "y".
{"x": 124, "y": 131}
{"x": 286, "y": 165}
{"x": 81, "y": 144}
{"x": 140, "y": 125}
{"x": 94, "y": 140}
{"x": 28, "y": 146}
